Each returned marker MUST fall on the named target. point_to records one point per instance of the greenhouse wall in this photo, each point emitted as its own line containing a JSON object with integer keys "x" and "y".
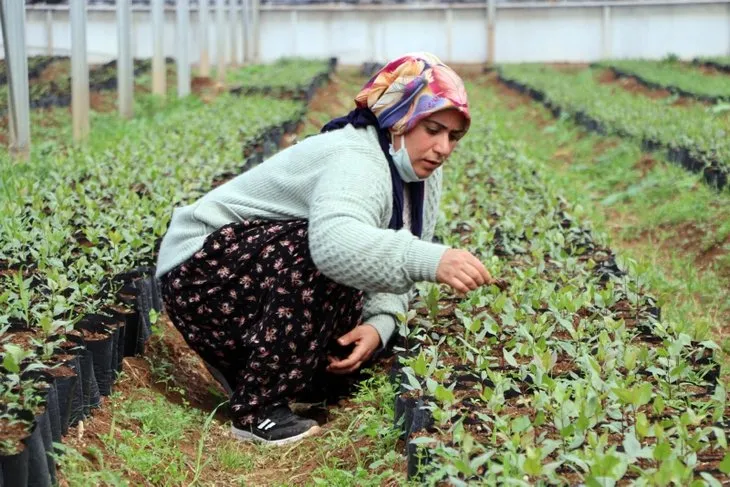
{"x": 575, "y": 31}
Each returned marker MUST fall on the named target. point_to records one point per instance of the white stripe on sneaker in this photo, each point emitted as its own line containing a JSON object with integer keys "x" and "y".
{"x": 270, "y": 425}
{"x": 244, "y": 435}
{"x": 263, "y": 423}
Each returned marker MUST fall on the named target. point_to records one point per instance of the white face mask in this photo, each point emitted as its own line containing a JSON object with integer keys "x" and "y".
{"x": 403, "y": 162}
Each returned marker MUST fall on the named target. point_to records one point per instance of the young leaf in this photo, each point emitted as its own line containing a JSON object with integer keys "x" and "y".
{"x": 419, "y": 365}
{"x": 533, "y": 464}
{"x": 662, "y": 451}
{"x": 422, "y": 440}
{"x": 642, "y": 425}
{"x": 724, "y": 465}
{"x": 642, "y": 395}
{"x": 444, "y": 395}
{"x": 509, "y": 358}
{"x": 521, "y": 424}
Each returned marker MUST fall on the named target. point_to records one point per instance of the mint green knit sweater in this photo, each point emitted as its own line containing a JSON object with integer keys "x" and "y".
{"x": 340, "y": 182}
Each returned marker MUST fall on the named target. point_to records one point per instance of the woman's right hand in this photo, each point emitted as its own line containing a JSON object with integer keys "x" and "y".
{"x": 462, "y": 271}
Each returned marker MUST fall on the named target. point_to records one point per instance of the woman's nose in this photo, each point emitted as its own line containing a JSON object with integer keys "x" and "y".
{"x": 443, "y": 145}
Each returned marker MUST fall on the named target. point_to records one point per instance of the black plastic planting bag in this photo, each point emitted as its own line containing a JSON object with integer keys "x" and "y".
{"x": 99, "y": 340}
{"x": 131, "y": 330}
{"x": 44, "y": 427}
{"x": 144, "y": 306}
{"x": 421, "y": 421}
{"x": 90, "y": 389}
{"x": 54, "y": 413}
{"x": 70, "y": 396}
{"x": 140, "y": 290}
{"x": 155, "y": 293}
{"x": 14, "y": 469}
{"x": 29, "y": 467}
{"x": 38, "y": 474}
{"x": 120, "y": 322}
{"x": 50, "y": 397}
{"x": 403, "y": 415}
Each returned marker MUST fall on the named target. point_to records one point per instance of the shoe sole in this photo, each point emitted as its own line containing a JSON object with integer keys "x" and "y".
{"x": 244, "y": 435}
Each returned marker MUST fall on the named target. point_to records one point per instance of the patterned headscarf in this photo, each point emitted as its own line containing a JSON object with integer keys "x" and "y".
{"x": 410, "y": 89}
{"x": 400, "y": 95}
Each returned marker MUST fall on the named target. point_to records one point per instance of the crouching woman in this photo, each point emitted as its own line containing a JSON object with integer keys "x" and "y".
{"x": 319, "y": 245}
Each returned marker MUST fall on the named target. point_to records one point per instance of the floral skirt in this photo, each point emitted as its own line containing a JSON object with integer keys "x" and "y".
{"x": 253, "y": 305}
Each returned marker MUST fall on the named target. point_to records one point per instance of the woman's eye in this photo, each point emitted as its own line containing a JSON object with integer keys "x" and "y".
{"x": 432, "y": 131}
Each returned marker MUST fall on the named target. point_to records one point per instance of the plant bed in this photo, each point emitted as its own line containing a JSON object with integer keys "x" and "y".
{"x": 719, "y": 63}
{"x": 287, "y": 79}
{"x": 689, "y": 135}
{"x": 672, "y": 76}
{"x": 54, "y": 88}
{"x": 71, "y": 244}
{"x": 539, "y": 382}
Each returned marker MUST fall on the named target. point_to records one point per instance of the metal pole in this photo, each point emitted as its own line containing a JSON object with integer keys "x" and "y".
{"x": 125, "y": 74}
{"x": 49, "y": 32}
{"x": 159, "y": 68}
{"x": 12, "y": 17}
{"x": 247, "y": 49}
{"x": 221, "y": 44}
{"x": 491, "y": 21}
{"x": 293, "y": 20}
{"x": 204, "y": 19}
{"x": 241, "y": 18}
{"x": 256, "y": 32}
{"x": 449, "y": 33}
{"x": 79, "y": 71}
{"x": 607, "y": 41}
{"x": 183, "y": 41}
{"x": 233, "y": 22}
{"x": 372, "y": 21}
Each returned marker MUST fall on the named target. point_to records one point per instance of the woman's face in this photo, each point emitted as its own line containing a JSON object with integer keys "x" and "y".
{"x": 431, "y": 141}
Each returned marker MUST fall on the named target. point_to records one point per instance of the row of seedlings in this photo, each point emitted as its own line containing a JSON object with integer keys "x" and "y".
{"x": 46, "y": 93}
{"x": 569, "y": 375}
{"x": 721, "y": 63}
{"x": 691, "y": 136}
{"x": 72, "y": 312}
{"x": 296, "y": 79}
{"x": 36, "y": 65}
{"x": 672, "y": 76}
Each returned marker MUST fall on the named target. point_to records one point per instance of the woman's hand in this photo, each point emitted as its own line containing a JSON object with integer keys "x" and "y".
{"x": 462, "y": 271}
{"x": 366, "y": 339}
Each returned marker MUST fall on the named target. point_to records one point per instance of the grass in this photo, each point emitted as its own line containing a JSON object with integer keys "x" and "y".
{"x": 655, "y": 212}
{"x": 79, "y": 470}
{"x": 232, "y": 457}
{"x": 150, "y": 449}
{"x": 151, "y": 438}
{"x": 369, "y": 435}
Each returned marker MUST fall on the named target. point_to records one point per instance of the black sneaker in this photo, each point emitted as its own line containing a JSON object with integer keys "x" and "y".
{"x": 277, "y": 426}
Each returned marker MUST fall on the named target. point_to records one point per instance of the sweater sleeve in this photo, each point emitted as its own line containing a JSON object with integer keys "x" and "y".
{"x": 381, "y": 310}
{"x": 348, "y": 205}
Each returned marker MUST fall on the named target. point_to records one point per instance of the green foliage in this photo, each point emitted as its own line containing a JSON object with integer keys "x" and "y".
{"x": 76, "y": 215}
{"x": 674, "y": 74}
{"x": 153, "y": 452}
{"x": 286, "y": 74}
{"x": 79, "y": 470}
{"x": 564, "y": 382}
{"x": 693, "y": 127}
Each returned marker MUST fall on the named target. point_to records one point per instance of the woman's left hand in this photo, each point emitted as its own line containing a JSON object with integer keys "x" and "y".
{"x": 366, "y": 339}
